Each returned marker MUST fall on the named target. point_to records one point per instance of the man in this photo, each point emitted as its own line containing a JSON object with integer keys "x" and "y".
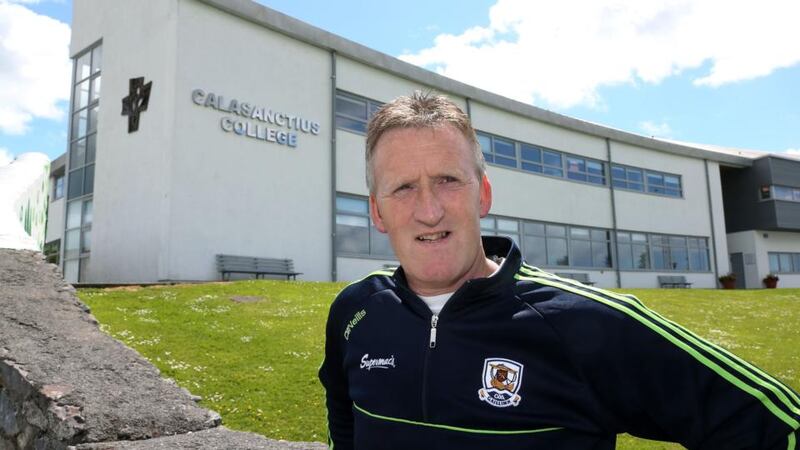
{"x": 467, "y": 347}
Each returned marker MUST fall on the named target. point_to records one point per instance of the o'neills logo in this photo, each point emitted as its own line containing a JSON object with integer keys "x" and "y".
{"x": 353, "y": 322}
{"x": 376, "y": 363}
{"x": 257, "y": 119}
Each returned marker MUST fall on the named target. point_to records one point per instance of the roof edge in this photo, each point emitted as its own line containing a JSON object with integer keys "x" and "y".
{"x": 297, "y": 29}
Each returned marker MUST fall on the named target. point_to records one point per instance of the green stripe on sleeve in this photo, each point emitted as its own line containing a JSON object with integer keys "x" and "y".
{"x": 453, "y": 428}
{"x": 766, "y": 401}
{"x": 792, "y": 441}
{"x": 729, "y": 358}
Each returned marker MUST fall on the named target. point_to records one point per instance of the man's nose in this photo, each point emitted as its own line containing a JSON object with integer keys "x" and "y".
{"x": 428, "y": 209}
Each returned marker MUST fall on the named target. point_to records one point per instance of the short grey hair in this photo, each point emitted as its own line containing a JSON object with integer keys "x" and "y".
{"x": 419, "y": 110}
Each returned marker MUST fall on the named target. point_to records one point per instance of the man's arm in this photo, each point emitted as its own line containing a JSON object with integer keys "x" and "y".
{"x": 654, "y": 379}
{"x": 334, "y": 380}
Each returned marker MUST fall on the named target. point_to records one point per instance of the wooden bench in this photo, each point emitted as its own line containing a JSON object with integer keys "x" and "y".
{"x": 228, "y": 264}
{"x": 676, "y": 281}
{"x": 582, "y": 277}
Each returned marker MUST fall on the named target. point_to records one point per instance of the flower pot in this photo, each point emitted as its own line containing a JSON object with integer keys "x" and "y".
{"x": 770, "y": 283}
{"x": 728, "y": 284}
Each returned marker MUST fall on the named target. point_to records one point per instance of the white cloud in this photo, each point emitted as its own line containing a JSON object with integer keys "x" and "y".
{"x": 792, "y": 151}
{"x": 656, "y": 129}
{"x": 5, "y": 157}
{"x": 561, "y": 52}
{"x": 34, "y": 67}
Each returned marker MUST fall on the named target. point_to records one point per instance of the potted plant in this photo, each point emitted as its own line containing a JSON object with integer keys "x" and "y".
{"x": 728, "y": 280}
{"x": 771, "y": 281}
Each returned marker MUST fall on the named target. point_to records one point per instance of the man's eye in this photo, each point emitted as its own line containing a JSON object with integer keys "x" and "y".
{"x": 449, "y": 179}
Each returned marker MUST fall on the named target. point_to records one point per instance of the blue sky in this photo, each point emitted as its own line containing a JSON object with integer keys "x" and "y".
{"x": 704, "y": 71}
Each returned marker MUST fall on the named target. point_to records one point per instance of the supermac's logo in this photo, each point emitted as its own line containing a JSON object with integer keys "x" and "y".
{"x": 502, "y": 379}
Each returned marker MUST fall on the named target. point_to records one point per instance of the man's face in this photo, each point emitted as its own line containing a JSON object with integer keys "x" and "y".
{"x": 429, "y": 199}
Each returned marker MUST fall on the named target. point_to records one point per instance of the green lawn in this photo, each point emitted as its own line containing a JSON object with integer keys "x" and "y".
{"x": 255, "y": 362}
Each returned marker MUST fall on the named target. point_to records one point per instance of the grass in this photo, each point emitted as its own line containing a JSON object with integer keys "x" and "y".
{"x": 256, "y": 362}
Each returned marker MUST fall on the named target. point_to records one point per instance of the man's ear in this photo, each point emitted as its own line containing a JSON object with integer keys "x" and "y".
{"x": 486, "y": 195}
{"x": 375, "y": 214}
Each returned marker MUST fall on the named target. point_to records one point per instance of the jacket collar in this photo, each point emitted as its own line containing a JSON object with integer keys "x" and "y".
{"x": 477, "y": 289}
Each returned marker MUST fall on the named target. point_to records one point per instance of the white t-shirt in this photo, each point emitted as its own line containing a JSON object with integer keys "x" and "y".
{"x": 436, "y": 302}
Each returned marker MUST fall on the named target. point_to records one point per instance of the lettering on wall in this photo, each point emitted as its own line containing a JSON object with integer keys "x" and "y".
{"x": 257, "y": 122}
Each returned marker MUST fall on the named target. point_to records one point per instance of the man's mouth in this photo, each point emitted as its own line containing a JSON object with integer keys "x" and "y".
{"x": 433, "y": 237}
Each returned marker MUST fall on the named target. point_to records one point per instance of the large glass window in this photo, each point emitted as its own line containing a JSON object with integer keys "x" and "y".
{"x": 499, "y": 226}
{"x": 355, "y": 232}
{"x": 786, "y": 193}
{"x": 531, "y": 158}
{"x": 81, "y": 163}
{"x": 589, "y": 247}
{"x": 51, "y": 251}
{"x": 547, "y": 244}
{"x": 58, "y": 187}
{"x": 633, "y": 250}
{"x": 680, "y": 253}
{"x": 353, "y": 112}
{"x": 557, "y": 245}
{"x": 650, "y": 181}
{"x": 784, "y": 262}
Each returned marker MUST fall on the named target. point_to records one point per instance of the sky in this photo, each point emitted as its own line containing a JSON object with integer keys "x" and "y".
{"x": 718, "y": 72}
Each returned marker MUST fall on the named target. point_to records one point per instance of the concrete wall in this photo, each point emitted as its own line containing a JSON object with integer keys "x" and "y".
{"x": 351, "y": 269}
{"x": 55, "y": 220}
{"x": 131, "y": 187}
{"x": 755, "y": 245}
{"x": 235, "y": 194}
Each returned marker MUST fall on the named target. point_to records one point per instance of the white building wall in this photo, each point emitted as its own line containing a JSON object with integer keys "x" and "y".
{"x": 170, "y": 196}
{"x": 510, "y": 125}
{"x": 361, "y": 79}
{"x": 755, "y": 246}
{"x": 720, "y": 231}
{"x": 131, "y": 195}
{"x": 660, "y": 214}
{"x": 350, "y": 269}
{"x": 238, "y": 195}
{"x": 55, "y": 220}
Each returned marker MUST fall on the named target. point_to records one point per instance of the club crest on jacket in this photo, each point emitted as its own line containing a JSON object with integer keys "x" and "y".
{"x": 502, "y": 379}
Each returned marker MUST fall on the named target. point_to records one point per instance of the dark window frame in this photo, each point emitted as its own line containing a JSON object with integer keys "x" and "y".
{"x": 540, "y": 166}
{"x": 371, "y": 254}
{"x": 370, "y": 106}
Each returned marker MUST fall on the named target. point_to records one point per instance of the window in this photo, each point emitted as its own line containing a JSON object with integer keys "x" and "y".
{"x": 650, "y": 181}
{"x": 58, "y": 187}
{"x": 355, "y": 231}
{"x": 552, "y": 244}
{"x": 633, "y": 250}
{"x": 589, "y": 247}
{"x": 498, "y": 226}
{"x": 80, "y": 167}
{"x": 784, "y": 262}
{"x": 679, "y": 253}
{"x": 353, "y": 112}
{"x": 51, "y": 251}
{"x": 585, "y": 170}
{"x": 786, "y": 193}
{"x": 627, "y": 178}
{"x": 498, "y": 150}
{"x": 531, "y": 158}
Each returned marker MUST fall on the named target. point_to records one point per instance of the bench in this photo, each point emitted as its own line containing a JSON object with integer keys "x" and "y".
{"x": 228, "y": 264}
{"x": 677, "y": 281}
{"x": 582, "y": 277}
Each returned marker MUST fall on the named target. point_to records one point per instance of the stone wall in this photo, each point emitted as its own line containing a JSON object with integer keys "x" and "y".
{"x": 64, "y": 384}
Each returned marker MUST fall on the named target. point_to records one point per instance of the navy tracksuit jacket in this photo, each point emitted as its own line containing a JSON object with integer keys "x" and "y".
{"x": 526, "y": 360}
